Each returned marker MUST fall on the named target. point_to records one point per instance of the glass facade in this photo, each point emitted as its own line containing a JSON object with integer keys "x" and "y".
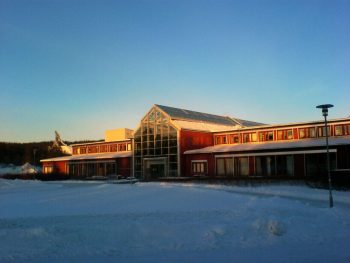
{"x": 156, "y": 147}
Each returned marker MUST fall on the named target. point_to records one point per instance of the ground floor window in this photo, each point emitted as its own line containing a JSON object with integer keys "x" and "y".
{"x": 91, "y": 168}
{"x": 199, "y": 167}
{"x": 242, "y": 166}
{"x": 316, "y": 164}
{"x": 224, "y": 166}
{"x": 265, "y": 165}
{"x": 268, "y": 165}
{"x": 48, "y": 169}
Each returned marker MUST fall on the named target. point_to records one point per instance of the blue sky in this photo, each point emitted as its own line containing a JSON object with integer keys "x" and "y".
{"x": 81, "y": 67}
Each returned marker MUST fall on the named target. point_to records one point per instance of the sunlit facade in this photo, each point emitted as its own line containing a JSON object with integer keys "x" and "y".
{"x": 172, "y": 143}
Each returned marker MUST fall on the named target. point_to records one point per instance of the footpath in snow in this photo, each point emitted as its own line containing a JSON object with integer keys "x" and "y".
{"x": 75, "y": 221}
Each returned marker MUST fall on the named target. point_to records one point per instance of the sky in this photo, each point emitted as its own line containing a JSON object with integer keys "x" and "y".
{"x": 83, "y": 67}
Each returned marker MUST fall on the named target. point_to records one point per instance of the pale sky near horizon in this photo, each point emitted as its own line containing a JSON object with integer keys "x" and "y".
{"x": 81, "y": 67}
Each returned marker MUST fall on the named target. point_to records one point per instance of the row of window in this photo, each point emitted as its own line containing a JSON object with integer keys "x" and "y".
{"x": 285, "y": 134}
{"x": 115, "y": 147}
{"x": 271, "y": 165}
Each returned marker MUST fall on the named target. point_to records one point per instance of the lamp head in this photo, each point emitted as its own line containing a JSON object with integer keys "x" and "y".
{"x": 324, "y": 108}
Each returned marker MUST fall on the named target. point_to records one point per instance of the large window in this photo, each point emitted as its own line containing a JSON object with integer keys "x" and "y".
{"x": 265, "y": 165}
{"x": 224, "y": 166}
{"x": 93, "y": 168}
{"x": 285, "y": 134}
{"x": 242, "y": 166}
{"x": 155, "y": 138}
{"x": 266, "y": 136}
{"x": 220, "y": 139}
{"x": 234, "y": 138}
{"x": 338, "y": 129}
{"x": 322, "y": 131}
{"x": 316, "y": 164}
{"x": 309, "y": 132}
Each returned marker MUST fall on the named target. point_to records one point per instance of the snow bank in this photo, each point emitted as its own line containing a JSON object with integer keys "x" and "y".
{"x": 162, "y": 222}
{"x": 27, "y": 168}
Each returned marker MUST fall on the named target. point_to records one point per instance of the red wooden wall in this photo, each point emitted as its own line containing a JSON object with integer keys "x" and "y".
{"x": 190, "y": 140}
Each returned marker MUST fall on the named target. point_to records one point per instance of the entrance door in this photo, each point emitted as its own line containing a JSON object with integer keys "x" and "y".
{"x": 155, "y": 168}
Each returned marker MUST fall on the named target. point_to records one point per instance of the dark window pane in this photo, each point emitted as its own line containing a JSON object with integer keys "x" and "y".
{"x": 172, "y": 158}
{"x": 173, "y": 150}
{"x": 165, "y": 151}
{"x": 173, "y": 143}
{"x": 165, "y": 144}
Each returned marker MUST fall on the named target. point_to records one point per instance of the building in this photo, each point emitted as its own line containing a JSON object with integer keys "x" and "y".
{"x": 107, "y": 158}
{"x": 172, "y": 142}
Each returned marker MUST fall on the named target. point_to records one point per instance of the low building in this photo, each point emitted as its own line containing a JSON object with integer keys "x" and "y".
{"x": 111, "y": 157}
{"x": 172, "y": 142}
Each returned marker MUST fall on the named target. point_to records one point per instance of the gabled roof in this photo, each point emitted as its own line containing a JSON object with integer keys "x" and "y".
{"x": 188, "y": 115}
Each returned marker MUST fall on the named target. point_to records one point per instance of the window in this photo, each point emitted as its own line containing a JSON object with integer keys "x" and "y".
{"x": 129, "y": 146}
{"x": 103, "y": 148}
{"x": 285, "y": 134}
{"x": 322, "y": 131}
{"x": 48, "y": 169}
{"x": 250, "y": 137}
{"x": 221, "y": 139}
{"x": 92, "y": 149}
{"x": 242, "y": 166}
{"x": 266, "y": 136}
{"x": 156, "y": 137}
{"x": 338, "y": 130}
{"x": 312, "y": 132}
{"x": 307, "y": 133}
{"x": 246, "y": 137}
{"x": 113, "y": 147}
{"x": 254, "y": 137}
{"x": 199, "y": 167}
{"x": 234, "y": 138}
{"x": 224, "y": 166}
{"x": 121, "y": 147}
{"x": 83, "y": 150}
{"x": 265, "y": 165}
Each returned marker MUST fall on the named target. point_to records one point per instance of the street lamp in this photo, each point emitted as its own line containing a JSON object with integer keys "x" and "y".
{"x": 325, "y": 108}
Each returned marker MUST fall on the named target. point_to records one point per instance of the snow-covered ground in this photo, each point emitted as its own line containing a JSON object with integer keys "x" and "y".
{"x": 161, "y": 222}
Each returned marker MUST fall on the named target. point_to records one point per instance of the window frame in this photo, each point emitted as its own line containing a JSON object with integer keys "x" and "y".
{"x": 199, "y": 167}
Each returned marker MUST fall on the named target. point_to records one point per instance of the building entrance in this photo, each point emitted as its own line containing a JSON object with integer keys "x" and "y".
{"x": 155, "y": 167}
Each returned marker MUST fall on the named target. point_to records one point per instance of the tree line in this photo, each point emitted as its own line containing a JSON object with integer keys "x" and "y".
{"x": 32, "y": 152}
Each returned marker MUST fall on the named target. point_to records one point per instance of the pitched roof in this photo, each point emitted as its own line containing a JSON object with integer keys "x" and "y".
{"x": 188, "y": 115}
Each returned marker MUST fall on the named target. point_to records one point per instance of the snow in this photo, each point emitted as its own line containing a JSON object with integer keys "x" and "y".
{"x": 254, "y": 146}
{"x": 26, "y": 168}
{"x": 75, "y": 221}
{"x": 90, "y": 156}
{"x": 203, "y": 126}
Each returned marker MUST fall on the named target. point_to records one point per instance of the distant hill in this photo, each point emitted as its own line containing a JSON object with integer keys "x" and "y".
{"x": 32, "y": 152}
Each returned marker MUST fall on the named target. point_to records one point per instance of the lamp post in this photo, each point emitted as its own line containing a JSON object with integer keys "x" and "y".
{"x": 325, "y": 108}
